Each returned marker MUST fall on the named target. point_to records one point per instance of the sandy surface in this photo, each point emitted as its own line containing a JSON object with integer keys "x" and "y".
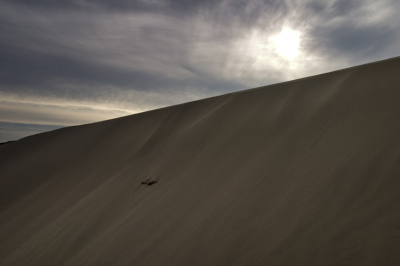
{"x": 305, "y": 172}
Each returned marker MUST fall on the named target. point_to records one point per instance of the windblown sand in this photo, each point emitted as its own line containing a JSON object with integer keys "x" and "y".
{"x": 305, "y": 172}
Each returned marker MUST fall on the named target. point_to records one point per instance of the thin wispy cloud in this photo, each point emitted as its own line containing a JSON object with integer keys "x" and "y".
{"x": 89, "y": 60}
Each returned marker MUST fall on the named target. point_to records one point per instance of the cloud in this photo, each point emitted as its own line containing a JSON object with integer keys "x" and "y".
{"x": 360, "y": 31}
{"x": 87, "y": 56}
{"x": 183, "y": 7}
{"x": 15, "y": 131}
{"x": 356, "y": 41}
{"x": 80, "y": 104}
{"x": 140, "y": 50}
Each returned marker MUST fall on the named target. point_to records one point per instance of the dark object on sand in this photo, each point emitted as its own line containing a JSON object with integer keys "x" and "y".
{"x": 149, "y": 182}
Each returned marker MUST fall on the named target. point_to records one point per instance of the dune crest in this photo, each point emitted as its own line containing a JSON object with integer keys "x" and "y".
{"x": 305, "y": 172}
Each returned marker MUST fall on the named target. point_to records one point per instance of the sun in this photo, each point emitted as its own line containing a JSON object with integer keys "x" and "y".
{"x": 286, "y": 43}
{"x": 264, "y": 52}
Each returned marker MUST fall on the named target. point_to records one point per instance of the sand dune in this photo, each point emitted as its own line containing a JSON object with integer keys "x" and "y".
{"x": 305, "y": 172}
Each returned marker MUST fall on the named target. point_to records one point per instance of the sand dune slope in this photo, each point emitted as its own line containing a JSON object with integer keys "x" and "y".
{"x": 299, "y": 173}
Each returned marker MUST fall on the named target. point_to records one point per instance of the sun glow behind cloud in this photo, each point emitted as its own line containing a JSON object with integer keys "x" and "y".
{"x": 287, "y": 43}
{"x": 262, "y": 55}
{"x": 101, "y": 61}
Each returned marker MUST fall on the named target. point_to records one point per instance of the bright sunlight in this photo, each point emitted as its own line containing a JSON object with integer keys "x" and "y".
{"x": 287, "y": 43}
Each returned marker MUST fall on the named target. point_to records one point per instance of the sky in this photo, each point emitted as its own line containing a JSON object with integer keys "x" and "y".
{"x": 71, "y": 62}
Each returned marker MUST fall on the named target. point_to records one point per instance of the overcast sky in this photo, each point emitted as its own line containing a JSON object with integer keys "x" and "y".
{"x": 70, "y": 62}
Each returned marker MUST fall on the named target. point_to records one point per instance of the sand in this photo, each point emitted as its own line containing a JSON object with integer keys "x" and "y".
{"x": 305, "y": 172}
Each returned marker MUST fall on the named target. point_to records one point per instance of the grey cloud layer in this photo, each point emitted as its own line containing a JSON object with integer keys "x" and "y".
{"x": 140, "y": 55}
{"x": 13, "y": 131}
